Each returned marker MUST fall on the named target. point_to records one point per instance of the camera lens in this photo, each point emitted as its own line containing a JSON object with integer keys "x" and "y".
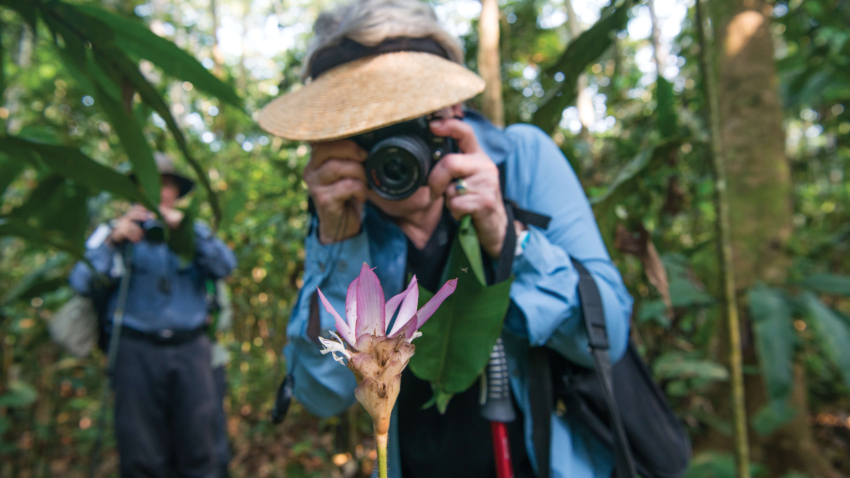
{"x": 397, "y": 166}
{"x": 154, "y": 230}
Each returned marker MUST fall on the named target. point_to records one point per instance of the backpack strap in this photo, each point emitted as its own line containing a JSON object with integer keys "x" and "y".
{"x": 597, "y": 334}
{"x": 541, "y": 396}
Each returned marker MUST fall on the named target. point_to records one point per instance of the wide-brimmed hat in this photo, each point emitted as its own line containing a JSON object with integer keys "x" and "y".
{"x": 369, "y": 93}
{"x": 165, "y": 166}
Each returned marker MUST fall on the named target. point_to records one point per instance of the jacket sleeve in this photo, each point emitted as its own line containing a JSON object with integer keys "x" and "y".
{"x": 82, "y": 278}
{"x": 212, "y": 254}
{"x": 322, "y": 385}
{"x": 546, "y": 306}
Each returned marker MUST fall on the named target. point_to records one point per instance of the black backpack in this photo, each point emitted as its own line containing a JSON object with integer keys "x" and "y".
{"x": 620, "y": 404}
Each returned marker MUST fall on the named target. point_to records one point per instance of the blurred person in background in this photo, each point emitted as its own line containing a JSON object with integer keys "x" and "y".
{"x": 165, "y": 397}
{"x": 385, "y": 70}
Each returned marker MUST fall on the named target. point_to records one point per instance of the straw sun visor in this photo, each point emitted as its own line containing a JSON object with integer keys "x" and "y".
{"x": 368, "y": 94}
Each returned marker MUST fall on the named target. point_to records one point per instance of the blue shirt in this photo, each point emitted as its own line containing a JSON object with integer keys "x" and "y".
{"x": 151, "y": 307}
{"x": 544, "y": 309}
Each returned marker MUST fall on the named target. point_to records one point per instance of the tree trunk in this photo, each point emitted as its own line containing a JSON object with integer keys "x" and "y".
{"x": 584, "y": 104}
{"x": 730, "y": 327}
{"x": 760, "y": 209}
{"x": 489, "y": 62}
{"x": 658, "y": 54}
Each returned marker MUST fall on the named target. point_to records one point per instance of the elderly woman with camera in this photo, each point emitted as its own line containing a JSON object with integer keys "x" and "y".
{"x": 397, "y": 160}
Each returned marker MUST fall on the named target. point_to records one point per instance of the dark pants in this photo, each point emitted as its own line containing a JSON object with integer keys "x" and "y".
{"x": 222, "y": 443}
{"x": 165, "y": 409}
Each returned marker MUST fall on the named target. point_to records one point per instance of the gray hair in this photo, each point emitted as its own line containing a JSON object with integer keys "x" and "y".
{"x": 370, "y": 22}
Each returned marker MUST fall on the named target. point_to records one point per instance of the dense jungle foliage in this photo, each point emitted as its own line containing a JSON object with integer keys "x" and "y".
{"x": 89, "y": 91}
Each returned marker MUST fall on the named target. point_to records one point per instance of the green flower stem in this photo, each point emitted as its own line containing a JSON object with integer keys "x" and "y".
{"x": 382, "y": 454}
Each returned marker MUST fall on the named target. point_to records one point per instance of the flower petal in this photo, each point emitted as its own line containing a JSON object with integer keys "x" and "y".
{"x": 341, "y": 326}
{"x": 413, "y": 286}
{"x": 351, "y": 306}
{"x": 408, "y": 307}
{"x": 370, "y": 304}
{"x": 428, "y": 309}
{"x": 409, "y": 330}
{"x": 392, "y": 304}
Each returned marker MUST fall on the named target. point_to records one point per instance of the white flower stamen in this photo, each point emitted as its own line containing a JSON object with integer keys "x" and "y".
{"x": 335, "y": 346}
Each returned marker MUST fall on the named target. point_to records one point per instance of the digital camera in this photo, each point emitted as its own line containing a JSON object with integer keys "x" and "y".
{"x": 401, "y": 156}
{"x": 154, "y": 230}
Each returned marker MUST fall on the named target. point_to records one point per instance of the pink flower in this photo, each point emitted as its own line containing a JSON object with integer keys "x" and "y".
{"x": 367, "y": 313}
{"x": 377, "y": 356}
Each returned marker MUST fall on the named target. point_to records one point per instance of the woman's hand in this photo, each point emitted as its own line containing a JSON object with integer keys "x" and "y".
{"x": 173, "y": 217}
{"x": 127, "y": 227}
{"x": 337, "y": 183}
{"x": 483, "y": 197}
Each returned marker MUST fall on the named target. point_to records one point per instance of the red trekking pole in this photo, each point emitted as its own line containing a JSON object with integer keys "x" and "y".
{"x": 499, "y": 409}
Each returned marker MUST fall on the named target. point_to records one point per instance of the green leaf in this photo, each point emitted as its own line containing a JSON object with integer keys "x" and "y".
{"x": 665, "y": 111}
{"x": 58, "y": 206}
{"x": 182, "y": 239}
{"x": 134, "y": 38}
{"x": 39, "y": 281}
{"x": 73, "y": 164}
{"x": 775, "y": 340}
{"x": 26, "y": 8}
{"x": 69, "y": 20}
{"x": 457, "y": 340}
{"x": 9, "y": 170}
{"x": 654, "y": 311}
{"x": 10, "y": 226}
{"x": 770, "y": 418}
{"x": 628, "y": 173}
{"x": 472, "y": 248}
{"x": 684, "y": 292}
{"x": 832, "y": 331}
{"x": 679, "y": 366}
{"x": 134, "y": 143}
{"x": 828, "y": 284}
{"x": 18, "y": 395}
{"x": 153, "y": 99}
{"x": 580, "y": 53}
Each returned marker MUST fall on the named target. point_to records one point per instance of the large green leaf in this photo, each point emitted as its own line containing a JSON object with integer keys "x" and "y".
{"x": 70, "y": 21}
{"x": 665, "y": 110}
{"x": 117, "y": 59}
{"x": 580, "y": 53}
{"x": 457, "y": 340}
{"x": 38, "y": 281}
{"x": 135, "y": 38}
{"x": 775, "y": 340}
{"x": 26, "y": 8}
{"x": 10, "y": 226}
{"x": 828, "y": 284}
{"x": 73, "y": 164}
{"x": 182, "y": 239}
{"x": 833, "y": 332}
{"x": 134, "y": 143}
{"x": 58, "y": 206}
{"x": 9, "y": 170}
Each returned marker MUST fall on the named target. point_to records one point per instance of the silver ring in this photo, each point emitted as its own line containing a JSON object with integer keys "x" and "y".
{"x": 460, "y": 187}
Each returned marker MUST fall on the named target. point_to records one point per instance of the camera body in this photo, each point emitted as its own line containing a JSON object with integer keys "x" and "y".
{"x": 401, "y": 156}
{"x": 154, "y": 230}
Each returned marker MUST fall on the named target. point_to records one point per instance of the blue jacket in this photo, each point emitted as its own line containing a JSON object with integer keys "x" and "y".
{"x": 149, "y": 308}
{"x": 545, "y": 302}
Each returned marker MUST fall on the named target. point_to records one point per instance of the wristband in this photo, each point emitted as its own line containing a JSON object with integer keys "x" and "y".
{"x": 522, "y": 241}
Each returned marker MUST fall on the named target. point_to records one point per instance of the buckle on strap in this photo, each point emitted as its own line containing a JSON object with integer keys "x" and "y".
{"x": 593, "y": 311}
